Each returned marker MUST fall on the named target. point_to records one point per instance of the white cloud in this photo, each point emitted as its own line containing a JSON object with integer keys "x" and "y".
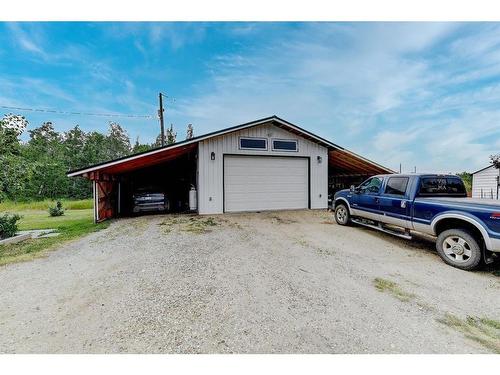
{"x": 325, "y": 72}
{"x": 477, "y": 44}
{"x": 157, "y": 34}
{"x": 422, "y": 94}
{"x": 177, "y": 34}
{"x": 26, "y": 40}
{"x": 31, "y": 37}
{"x": 385, "y": 140}
{"x": 375, "y": 88}
{"x": 446, "y": 145}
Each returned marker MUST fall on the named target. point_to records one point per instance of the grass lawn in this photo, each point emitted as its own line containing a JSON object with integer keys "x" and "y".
{"x": 72, "y": 225}
{"x": 12, "y": 206}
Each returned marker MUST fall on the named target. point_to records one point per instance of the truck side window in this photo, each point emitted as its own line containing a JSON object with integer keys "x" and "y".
{"x": 371, "y": 185}
{"x": 442, "y": 186}
{"x": 396, "y": 185}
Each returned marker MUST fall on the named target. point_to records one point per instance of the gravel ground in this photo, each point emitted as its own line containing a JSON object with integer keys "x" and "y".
{"x": 277, "y": 282}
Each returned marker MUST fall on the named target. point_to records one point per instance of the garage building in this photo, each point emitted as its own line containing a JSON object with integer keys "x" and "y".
{"x": 486, "y": 183}
{"x": 268, "y": 164}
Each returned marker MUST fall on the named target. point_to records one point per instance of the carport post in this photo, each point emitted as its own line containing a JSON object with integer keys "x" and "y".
{"x": 119, "y": 197}
{"x": 95, "y": 199}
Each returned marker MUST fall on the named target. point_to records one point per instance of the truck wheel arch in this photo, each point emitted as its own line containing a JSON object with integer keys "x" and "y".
{"x": 342, "y": 201}
{"x": 451, "y": 220}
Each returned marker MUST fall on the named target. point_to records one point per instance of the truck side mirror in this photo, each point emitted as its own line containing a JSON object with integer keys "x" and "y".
{"x": 352, "y": 188}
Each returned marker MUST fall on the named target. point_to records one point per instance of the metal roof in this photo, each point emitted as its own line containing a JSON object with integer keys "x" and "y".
{"x": 349, "y": 157}
{"x": 483, "y": 169}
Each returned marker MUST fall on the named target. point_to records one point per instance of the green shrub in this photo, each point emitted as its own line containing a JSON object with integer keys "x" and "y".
{"x": 58, "y": 210}
{"x": 8, "y": 225}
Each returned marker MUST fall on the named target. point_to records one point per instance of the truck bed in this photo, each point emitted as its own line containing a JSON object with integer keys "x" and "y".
{"x": 486, "y": 203}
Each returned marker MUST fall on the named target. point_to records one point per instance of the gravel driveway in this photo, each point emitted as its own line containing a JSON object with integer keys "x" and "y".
{"x": 277, "y": 282}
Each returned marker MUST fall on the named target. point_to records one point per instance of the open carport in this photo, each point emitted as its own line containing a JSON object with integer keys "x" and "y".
{"x": 173, "y": 176}
{"x": 346, "y": 168}
{"x": 171, "y": 172}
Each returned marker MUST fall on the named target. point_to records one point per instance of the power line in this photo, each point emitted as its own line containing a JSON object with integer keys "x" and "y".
{"x": 74, "y": 113}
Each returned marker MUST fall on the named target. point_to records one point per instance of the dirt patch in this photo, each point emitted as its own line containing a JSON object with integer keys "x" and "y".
{"x": 485, "y": 331}
{"x": 319, "y": 250}
{"x": 190, "y": 224}
{"x": 282, "y": 220}
{"x": 196, "y": 225}
{"x": 393, "y": 289}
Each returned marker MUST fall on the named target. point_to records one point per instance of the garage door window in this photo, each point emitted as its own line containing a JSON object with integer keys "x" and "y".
{"x": 285, "y": 145}
{"x": 253, "y": 144}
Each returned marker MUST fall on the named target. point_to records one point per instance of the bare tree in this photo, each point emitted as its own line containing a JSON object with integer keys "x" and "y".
{"x": 495, "y": 160}
{"x": 171, "y": 135}
{"x": 189, "y": 131}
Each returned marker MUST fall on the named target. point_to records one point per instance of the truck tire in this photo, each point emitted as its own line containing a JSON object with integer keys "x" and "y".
{"x": 458, "y": 248}
{"x": 342, "y": 216}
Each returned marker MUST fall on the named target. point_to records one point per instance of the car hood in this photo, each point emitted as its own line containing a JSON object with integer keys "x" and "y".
{"x": 342, "y": 192}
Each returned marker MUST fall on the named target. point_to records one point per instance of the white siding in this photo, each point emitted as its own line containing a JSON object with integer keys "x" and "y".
{"x": 210, "y": 172}
{"x": 485, "y": 180}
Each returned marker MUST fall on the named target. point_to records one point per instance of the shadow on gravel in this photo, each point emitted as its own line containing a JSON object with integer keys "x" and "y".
{"x": 425, "y": 244}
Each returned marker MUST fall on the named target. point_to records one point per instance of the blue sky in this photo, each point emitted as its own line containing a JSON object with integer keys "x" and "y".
{"x": 420, "y": 94}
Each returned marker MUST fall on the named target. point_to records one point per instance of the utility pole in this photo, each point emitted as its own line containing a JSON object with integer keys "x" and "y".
{"x": 160, "y": 115}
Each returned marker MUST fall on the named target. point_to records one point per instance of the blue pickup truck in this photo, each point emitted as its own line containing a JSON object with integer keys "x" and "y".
{"x": 467, "y": 230}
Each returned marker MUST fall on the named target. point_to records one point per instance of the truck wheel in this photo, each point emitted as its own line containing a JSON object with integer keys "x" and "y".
{"x": 342, "y": 216}
{"x": 459, "y": 249}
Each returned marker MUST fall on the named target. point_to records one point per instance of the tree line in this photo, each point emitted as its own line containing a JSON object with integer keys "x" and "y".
{"x": 36, "y": 169}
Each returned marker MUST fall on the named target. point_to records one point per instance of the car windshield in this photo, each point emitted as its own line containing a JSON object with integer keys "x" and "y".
{"x": 442, "y": 186}
{"x": 151, "y": 189}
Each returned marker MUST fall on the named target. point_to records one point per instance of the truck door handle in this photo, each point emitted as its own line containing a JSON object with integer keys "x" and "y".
{"x": 377, "y": 200}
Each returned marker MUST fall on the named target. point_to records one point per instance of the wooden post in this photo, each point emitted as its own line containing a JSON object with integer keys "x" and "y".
{"x": 96, "y": 204}
{"x": 119, "y": 198}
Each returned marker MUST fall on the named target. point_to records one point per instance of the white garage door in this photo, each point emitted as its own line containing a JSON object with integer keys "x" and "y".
{"x": 256, "y": 183}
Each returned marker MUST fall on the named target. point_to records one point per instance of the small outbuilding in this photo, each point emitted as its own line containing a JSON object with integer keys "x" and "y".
{"x": 486, "y": 183}
{"x": 267, "y": 164}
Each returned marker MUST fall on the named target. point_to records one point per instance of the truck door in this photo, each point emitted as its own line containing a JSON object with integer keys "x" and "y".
{"x": 394, "y": 204}
{"x": 366, "y": 198}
